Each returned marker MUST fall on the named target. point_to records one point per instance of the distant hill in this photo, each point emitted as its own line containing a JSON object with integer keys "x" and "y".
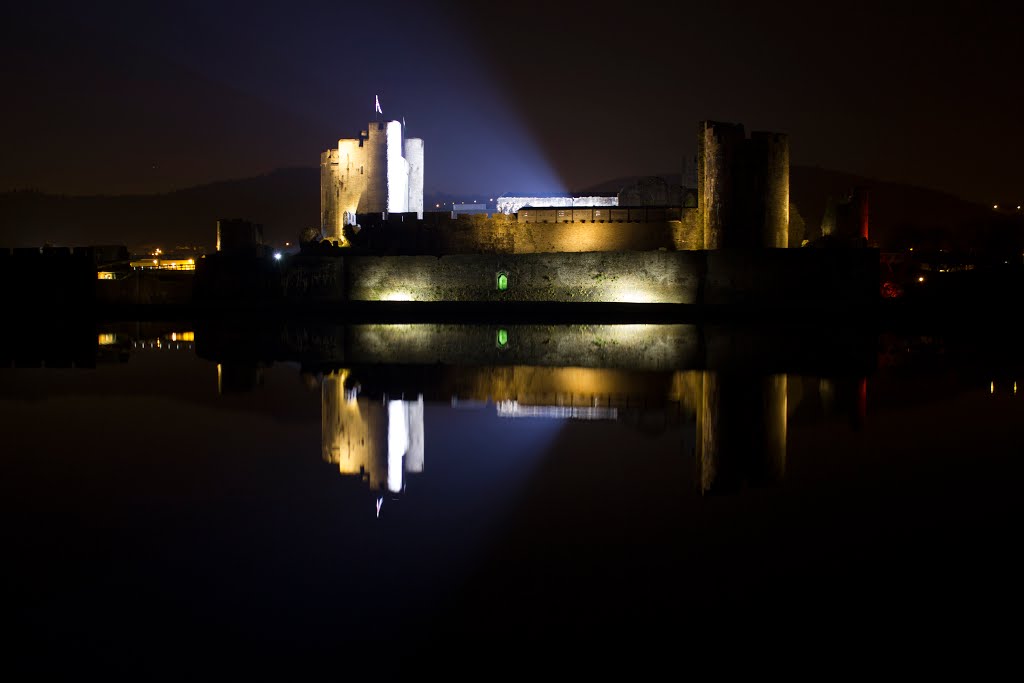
{"x": 898, "y": 213}
{"x": 288, "y": 200}
{"x": 284, "y": 201}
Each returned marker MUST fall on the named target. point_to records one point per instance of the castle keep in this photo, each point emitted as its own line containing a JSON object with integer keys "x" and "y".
{"x": 379, "y": 172}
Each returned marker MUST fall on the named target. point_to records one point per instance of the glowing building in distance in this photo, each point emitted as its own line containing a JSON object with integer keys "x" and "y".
{"x": 379, "y": 172}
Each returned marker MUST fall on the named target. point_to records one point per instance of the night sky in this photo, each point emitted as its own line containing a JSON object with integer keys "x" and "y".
{"x": 509, "y": 97}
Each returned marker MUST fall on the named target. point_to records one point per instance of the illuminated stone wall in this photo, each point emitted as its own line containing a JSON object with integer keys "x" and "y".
{"x": 511, "y": 205}
{"x": 641, "y": 277}
{"x": 769, "y": 277}
{"x": 330, "y": 195}
{"x": 352, "y": 174}
{"x": 575, "y": 237}
{"x": 500, "y": 234}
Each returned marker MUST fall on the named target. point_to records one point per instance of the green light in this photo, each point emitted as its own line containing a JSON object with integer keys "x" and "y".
{"x": 502, "y": 282}
{"x": 502, "y": 338}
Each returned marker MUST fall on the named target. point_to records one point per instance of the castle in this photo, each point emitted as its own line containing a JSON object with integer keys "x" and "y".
{"x": 379, "y": 172}
{"x": 741, "y": 201}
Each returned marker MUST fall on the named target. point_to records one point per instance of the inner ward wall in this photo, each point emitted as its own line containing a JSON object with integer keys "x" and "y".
{"x": 475, "y": 234}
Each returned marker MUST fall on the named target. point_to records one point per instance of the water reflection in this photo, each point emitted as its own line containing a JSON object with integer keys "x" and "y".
{"x": 577, "y": 477}
{"x": 380, "y": 440}
{"x": 740, "y": 418}
{"x": 732, "y": 386}
{"x": 741, "y": 431}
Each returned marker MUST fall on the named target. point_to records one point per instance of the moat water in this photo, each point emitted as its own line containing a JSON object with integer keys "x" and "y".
{"x": 249, "y": 508}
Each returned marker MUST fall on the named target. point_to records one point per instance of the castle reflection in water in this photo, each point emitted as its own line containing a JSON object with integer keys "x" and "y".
{"x": 379, "y": 440}
{"x": 741, "y": 420}
{"x": 735, "y": 388}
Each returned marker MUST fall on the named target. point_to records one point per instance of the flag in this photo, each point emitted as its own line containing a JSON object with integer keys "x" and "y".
{"x": 376, "y": 101}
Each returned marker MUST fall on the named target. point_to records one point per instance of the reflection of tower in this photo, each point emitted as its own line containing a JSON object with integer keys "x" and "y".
{"x": 378, "y": 440}
{"x": 741, "y": 431}
{"x": 238, "y": 378}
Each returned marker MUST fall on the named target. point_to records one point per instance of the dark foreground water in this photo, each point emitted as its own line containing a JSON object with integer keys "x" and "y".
{"x": 347, "y": 506}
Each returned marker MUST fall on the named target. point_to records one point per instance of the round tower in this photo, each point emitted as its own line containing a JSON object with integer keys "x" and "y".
{"x": 768, "y": 162}
{"x": 414, "y": 155}
{"x": 718, "y": 148}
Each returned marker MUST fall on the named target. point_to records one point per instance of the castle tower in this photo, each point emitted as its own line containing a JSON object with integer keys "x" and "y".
{"x": 718, "y": 150}
{"x": 375, "y": 158}
{"x": 742, "y": 187}
{"x": 768, "y": 178}
{"x": 846, "y": 218}
{"x": 414, "y": 155}
{"x": 378, "y": 172}
{"x": 351, "y": 178}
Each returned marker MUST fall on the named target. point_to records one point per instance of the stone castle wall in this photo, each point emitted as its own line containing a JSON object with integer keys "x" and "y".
{"x": 768, "y": 277}
{"x": 643, "y": 277}
{"x": 330, "y": 194}
{"x": 473, "y": 234}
